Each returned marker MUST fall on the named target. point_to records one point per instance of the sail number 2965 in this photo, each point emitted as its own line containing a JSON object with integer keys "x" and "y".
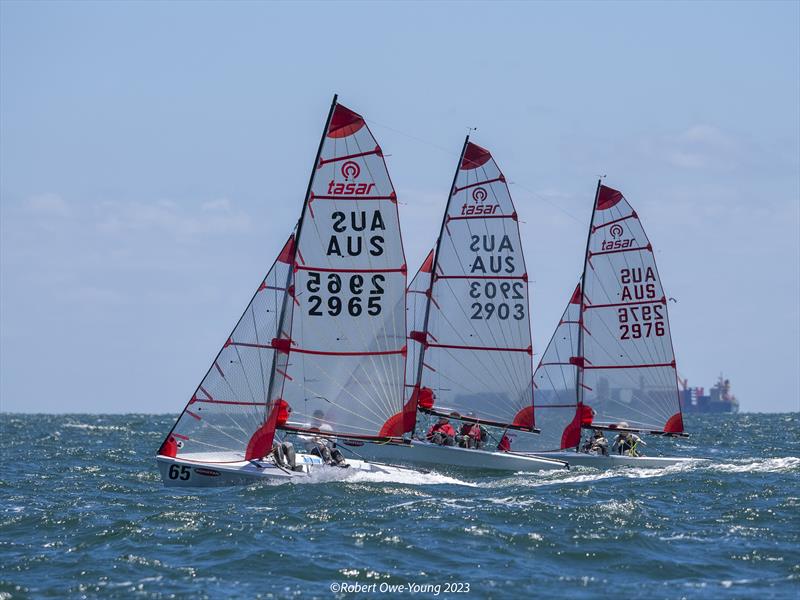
{"x": 353, "y": 295}
{"x": 493, "y": 292}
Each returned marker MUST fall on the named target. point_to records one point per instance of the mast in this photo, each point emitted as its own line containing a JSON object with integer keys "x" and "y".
{"x": 579, "y": 374}
{"x": 433, "y": 275}
{"x": 299, "y": 228}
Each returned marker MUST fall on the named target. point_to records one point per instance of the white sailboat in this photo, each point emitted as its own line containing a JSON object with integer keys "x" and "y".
{"x": 319, "y": 352}
{"x": 610, "y": 364}
{"x": 470, "y": 351}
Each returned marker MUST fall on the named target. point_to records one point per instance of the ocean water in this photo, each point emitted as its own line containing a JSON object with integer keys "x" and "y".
{"x": 83, "y": 514}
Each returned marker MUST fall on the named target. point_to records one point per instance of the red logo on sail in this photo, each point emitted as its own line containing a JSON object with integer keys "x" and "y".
{"x": 616, "y": 231}
{"x": 350, "y": 170}
{"x": 479, "y": 194}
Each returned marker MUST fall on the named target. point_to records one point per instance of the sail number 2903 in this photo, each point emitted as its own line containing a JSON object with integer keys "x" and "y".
{"x": 637, "y": 322}
{"x": 353, "y": 295}
{"x": 492, "y": 291}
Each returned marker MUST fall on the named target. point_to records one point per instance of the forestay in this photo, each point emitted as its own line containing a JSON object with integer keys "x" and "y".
{"x": 221, "y": 419}
{"x": 347, "y": 348}
{"x": 628, "y": 366}
{"x": 477, "y": 352}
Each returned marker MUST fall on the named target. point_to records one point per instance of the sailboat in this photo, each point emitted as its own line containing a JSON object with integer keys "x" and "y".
{"x": 470, "y": 351}
{"x": 610, "y": 365}
{"x": 319, "y": 352}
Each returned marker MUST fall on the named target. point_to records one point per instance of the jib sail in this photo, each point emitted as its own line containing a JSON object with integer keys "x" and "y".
{"x": 347, "y": 346}
{"x": 476, "y": 353}
{"x": 221, "y": 420}
{"x": 627, "y": 365}
{"x": 554, "y": 396}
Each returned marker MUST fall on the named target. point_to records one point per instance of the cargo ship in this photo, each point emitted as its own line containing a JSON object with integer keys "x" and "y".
{"x": 718, "y": 400}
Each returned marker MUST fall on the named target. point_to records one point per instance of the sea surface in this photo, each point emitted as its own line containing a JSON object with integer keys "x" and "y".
{"x": 83, "y": 514}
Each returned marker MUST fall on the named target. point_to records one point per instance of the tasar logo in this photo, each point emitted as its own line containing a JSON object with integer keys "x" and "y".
{"x": 350, "y": 171}
{"x": 616, "y": 231}
{"x": 479, "y": 196}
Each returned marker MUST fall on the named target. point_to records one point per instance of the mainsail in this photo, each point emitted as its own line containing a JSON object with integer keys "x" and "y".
{"x": 626, "y": 362}
{"x": 347, "y": 335}
{"x": 230, "y": 404}
{"x": 554, "y": 398}
{"x": 475, "y": 355}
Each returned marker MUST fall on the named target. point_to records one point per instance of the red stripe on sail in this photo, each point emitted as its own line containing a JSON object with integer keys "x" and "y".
{"x": 191, "y": 414}
{"x": 529, "y": 349}
{"x": 640, "y": 366}
{"x": 391, "y": 197}
{"x": 663, "y": 300}
{"x": 324, "y": 270}
{"x": 486, "y": 182}
{"x": 633, "y": 215}
{"x": 377, "y": 150}
{"x": 233, "y": 402}
{"x": 523, "y": 277}
{"x": 181, "y": 437}
{"x": 326, "y": 353}
{"x": 512, "y": 216}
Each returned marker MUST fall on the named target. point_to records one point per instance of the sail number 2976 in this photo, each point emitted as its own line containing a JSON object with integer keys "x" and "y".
{"x": 637, "y": 322}
{"x": 353, "y": 295}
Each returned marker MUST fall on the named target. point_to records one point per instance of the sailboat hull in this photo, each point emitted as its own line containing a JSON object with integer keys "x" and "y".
{"x": 423, "y": 453}
{"x": 615, "y": 460}
{"x": 184, "y": 472}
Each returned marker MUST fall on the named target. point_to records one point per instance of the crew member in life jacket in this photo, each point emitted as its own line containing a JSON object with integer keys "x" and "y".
{"x": 441, "y": 432}
{"x": 597, "y": 444}
{"x": 627, "y": 443}
{"x": 322, "y": 446}
{"x": 472, "y": 435}
{"x": 505, "y": 443}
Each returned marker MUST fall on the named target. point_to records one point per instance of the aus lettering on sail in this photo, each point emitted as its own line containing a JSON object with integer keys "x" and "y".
{"x": 356, "y": 232}
{"x": 494, "y": 253}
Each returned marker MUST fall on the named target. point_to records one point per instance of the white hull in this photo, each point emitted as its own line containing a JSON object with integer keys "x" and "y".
{"x": 423, "y": 453}
{"x": 614, "y": 460}
{"x": 186, "y": 472}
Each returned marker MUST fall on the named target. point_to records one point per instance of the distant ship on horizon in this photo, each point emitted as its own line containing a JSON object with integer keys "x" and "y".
{"x": 718, "y": 400}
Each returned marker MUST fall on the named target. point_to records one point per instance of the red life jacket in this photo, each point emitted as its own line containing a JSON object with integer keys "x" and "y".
{"x": 505, "y": 444}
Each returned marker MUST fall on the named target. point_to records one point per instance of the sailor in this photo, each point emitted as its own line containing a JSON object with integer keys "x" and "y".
{"x": 628, "y": 443}
{"x": 284, "y": 455}
{"x": 321, "y": 445}
{"x": 471, "y": 435}
{"x": 441, "y": 432}
{"x": 599, "y": 444}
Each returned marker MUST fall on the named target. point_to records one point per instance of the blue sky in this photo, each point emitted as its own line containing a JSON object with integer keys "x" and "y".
{"x": 154, "y": 156}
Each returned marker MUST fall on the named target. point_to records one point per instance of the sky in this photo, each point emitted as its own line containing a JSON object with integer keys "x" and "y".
{"x": 154, "y": 158}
